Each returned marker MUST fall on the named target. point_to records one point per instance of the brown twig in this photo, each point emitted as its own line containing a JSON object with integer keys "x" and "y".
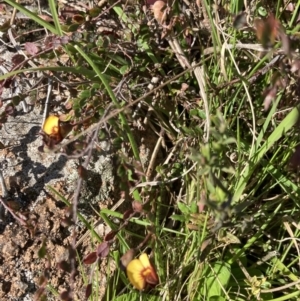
{"x": 20, "y": 220}
{"x": 17, "y": 67}
{"x": 75, "y": 202}
{"x": 74, "y": 210}
{"x": 254, "y": 77}
{"x": 281, "y": 288}
{"x": 4, "y": 195}
{"x": 116, "y": 112}
{"x": 13, "y": 16}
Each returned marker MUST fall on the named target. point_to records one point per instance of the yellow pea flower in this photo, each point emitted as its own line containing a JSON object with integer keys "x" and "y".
{"x": 140, "y": 272}
{"x": 51, "y": 126}
{"x": 55, "y": 129}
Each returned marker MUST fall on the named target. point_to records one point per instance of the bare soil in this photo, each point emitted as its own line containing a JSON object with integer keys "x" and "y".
{"x": 27, "y": 173}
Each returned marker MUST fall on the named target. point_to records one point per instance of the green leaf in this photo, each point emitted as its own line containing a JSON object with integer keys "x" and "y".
{"x": 193, "y": 207}
{"x": 229, "y": 140}
{"x": 5, "y": 26}
{"x": 177, "y": 217}
{"x": 227, "y": 237}
{"x": 262, "y": 11}
{"x": 42, "y": 251}
{"x": 124, "y": 69}
{"x": 217, "y": 298}
{"x": 94, "y": 12}
{"x": 216, "y": 280}
{"x": 183, "y": 208}
{"x": 130, "y": 296}
{"x": 71, "y": 28}
{"x": 84, "y": 94}
{"x": 135, "y": 296}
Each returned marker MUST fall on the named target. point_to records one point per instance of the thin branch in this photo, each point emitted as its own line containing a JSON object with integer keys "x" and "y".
{"x": 4, "y": 195}
{"x": 76, "y": 198}
{"x": 281, "y": 288}
{"x": 3, "y": 185}
{"x": 22, "y": 221}
{"x": 116, "y": 112}
{"x": 49, "y": 89}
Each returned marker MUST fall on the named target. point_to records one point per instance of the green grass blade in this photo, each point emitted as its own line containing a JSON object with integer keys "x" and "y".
{"x": 286, "y": 124}
{"x": 55, "y": 18}
{"x": 114, "y": 100}
{"x": 77, "y": 70}
{"x": 255, "y": 237}
{"x": 32, "y": 16}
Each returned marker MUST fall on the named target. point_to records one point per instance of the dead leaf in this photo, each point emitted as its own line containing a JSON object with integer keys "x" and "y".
{"x": 285, "y": 40}
{"x": 31, "y": 48}
{"x": 88, "y": 291}
{"x": 295, "y": 158}
{"x": 127, "y": 214}
{"x": 159, "y": 11}
{"x": 65, "y": 266}
{"x": 295, "y": 67}
{"x": 82, "y": 172}
{"x": 270, "y": 29}
{"x": 184, "y": 87}
{"x": 66, "y": 296}
{"x": 10, "y": 110}
{"x": 126, "y": 258}
{"x": 270, "y": 95}
{"x": 267, "y": 30}
{"x": 110, "y": 236}
{"x": 90, "y": 258}
{"x": 103, "y": 249}
{"x": 78, "y": 19}
{"x": 17, "y": 59}
{"x": 46, "y": 18}
{"x": 137, "y": 206}
{"x": 290, "y": 7}
{"x": 205, "y": 244}
{"x": 240, "y": 21}
{"x": 150, "y": 2}
{"x": 5, "y": 26}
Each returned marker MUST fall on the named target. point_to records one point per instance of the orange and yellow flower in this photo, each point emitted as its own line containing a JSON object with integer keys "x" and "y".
{"x": 140, "y": 272}
{"x": 52, "y": 129}
{"x": 51, "y": 125}
{"x": 56, "y": 130}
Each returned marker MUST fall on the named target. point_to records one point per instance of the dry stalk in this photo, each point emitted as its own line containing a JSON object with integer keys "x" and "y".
{"x": 4, "y": 195}
{"x": 199, "y": 74}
